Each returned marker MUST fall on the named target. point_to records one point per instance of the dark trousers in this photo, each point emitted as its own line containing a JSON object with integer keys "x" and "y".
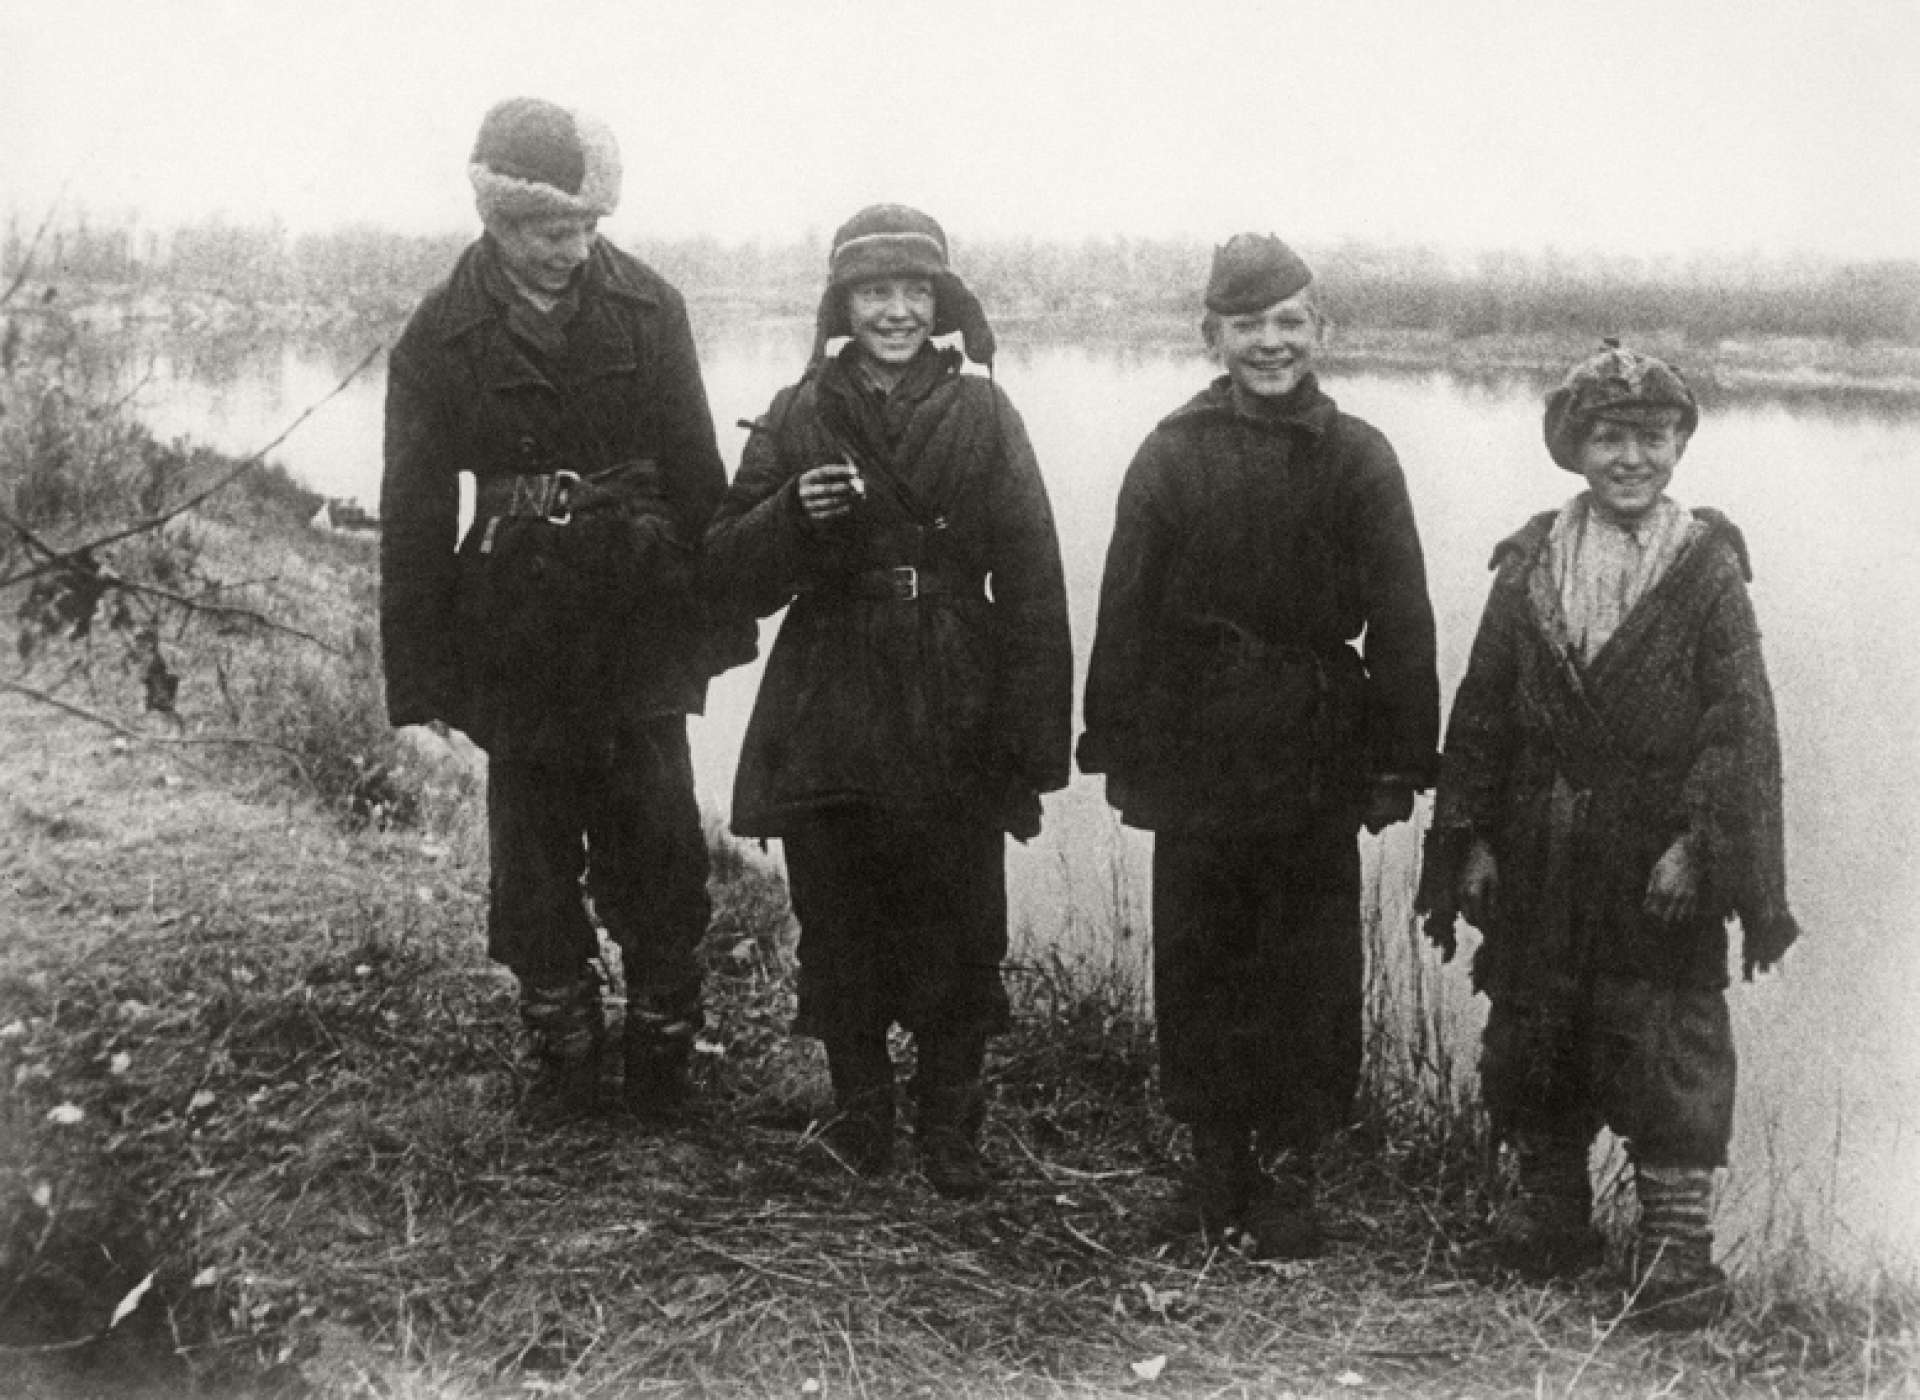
{"x": 631, "y": 827}
{"x": 1257, "y": 978}
{"x": 903, "y": 918}
{"x": 1654, "y": 1063}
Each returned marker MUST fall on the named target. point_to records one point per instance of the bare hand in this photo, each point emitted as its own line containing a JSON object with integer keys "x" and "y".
{"x": 830, "y": 491}
{"x": 1388, "y": 801}
{"x": 1479, "y": 890}
{"x": 1673, "y": 891}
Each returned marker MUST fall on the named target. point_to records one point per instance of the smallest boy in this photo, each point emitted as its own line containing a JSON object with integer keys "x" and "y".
{"x": 1610, "y": 794}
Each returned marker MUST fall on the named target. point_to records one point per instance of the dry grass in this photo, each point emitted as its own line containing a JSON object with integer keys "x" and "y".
{"x": 315, "y": 1141}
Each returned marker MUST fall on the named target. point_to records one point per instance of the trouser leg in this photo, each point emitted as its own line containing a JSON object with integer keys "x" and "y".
{"x": 861, "y": 1129}
{"x": 647, "y": 868}
{"x": 951, "y": 1108}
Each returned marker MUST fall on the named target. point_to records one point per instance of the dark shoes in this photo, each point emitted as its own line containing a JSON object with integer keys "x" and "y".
{"x": 655, "y": 1052}
{"x": 566, "y": 1032}
{"x": 1226, "y": 1196}
{"x": 1546, "y": 1237}
{"x": 950, "y": 1120}
{"x": 1676, "y": 1292}
{"x": 1281, "y": 1221}
{"x": 860, "y": 1134}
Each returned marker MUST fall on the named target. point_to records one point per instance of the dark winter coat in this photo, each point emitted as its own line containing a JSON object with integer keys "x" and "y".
{"x": 958, "y": 701}
{"x": 1265, "y": 643}
{"x": 1581, "y": 775}
{"x": 537, "y": 638}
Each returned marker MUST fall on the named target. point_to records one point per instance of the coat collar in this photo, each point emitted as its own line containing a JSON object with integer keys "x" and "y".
{"x": 478, "y": 288}
{"x": 1307, "y": 408}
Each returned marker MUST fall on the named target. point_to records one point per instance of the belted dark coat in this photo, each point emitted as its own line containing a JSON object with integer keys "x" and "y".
{"x": 1265, "y": 643}
{"x": 1580, "y": 775}
{"x": 538, "y": 638}
{"x": 957, "y": 702}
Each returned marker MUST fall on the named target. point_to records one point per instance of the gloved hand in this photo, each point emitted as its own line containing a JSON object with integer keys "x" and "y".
{"x": 1389, "y": 800}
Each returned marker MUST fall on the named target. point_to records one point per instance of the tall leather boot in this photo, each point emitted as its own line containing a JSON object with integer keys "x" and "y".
{"x": 951, "y": 1110}
{"x": 1282, "y": 1216}
{"x": 1546, "y": 1230}
{"x": 565, "y": 1030}
{"x": 655, "y": 1050}
{"x": 1212, "y": 1196}
{"x": 860, "y": 1134}
{"x": 1675, "y": 1284}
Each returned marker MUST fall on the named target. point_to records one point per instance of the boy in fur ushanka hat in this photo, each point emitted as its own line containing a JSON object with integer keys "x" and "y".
{"x": 1609, "y": 797}
{"x": 917, "y": 700}
{"x": 564, "y": 635}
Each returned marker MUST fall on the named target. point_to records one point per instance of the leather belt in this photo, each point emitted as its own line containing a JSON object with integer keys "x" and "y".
{"x": 906, "y": 583}
{"x": 555, "y": 496}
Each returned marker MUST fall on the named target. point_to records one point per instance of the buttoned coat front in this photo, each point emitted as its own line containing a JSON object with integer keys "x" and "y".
{"x": 538, "y": 638}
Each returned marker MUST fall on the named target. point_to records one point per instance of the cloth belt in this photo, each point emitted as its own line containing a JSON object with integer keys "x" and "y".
{"x": 905, "y": 583}
{"x": 555, "y": 496}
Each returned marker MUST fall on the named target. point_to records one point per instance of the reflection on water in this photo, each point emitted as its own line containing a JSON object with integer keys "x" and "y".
{"x": 1829, "y": 1128}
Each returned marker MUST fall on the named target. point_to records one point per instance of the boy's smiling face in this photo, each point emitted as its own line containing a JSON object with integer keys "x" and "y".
{"x": 1628, "y": 460}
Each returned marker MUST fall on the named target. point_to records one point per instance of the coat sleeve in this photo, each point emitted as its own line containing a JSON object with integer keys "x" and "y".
{"x": 1733, "y": 791}
{"x": 695, "y": 476}
{"x": 1033, "y": 693}
{"x": 757, "y": 547}
{"x": 1483, "y": 735}
{"x": 419, "y": 525}
{"x": 1403, "y": 707}
{"x": 1119, "y": 677}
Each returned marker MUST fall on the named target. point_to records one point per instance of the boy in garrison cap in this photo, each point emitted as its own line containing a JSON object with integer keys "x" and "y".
{"x": 1262, "y": 685}
{"x": 563, "y": 634}
{"x": 1609, "y": 796}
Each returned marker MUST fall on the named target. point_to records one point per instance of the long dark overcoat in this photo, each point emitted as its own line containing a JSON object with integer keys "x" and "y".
{"x": 537, "y": 638}
{"x": 1265, "y": 642}
{"x": 1580, "y": 775}
{"x": 954, "y": 702}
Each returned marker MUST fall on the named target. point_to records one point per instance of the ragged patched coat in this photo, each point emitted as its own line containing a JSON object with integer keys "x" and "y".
{"x": 537, "y": 638}
{"x": 1237, "y": 541}
{"x": 957, "y": 702}
{"x": 1581, "y": 775}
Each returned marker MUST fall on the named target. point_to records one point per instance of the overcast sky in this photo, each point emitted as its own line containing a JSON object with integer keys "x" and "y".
{"x": 1667, "y": 126}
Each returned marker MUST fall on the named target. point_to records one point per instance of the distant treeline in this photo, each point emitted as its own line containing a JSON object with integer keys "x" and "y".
{"x": 378, "y": 274}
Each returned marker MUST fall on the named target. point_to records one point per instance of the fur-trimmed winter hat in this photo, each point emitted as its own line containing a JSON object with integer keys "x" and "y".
{"x": 1612, "y": 382}
{"x": 1252, "y": 271}
{"x": 535, "y": 159}
{"x": 892, "y": 240}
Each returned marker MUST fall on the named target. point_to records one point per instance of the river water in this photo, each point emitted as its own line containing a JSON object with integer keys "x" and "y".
{"x": 1828, "y": 1137}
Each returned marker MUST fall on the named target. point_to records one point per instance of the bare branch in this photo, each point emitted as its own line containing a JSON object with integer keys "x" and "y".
{"x": 26, "y": 262}
{"x": 240, "y": 468}
{"x": 162, "y": 740}
{"x": 181, "y": 600}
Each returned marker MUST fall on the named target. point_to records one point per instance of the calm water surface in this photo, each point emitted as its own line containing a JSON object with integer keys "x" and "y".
{"x": 1829, "y": 1126}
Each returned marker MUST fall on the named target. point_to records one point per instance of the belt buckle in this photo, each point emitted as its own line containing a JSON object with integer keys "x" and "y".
{"x": 558, "y": 507}
{"x": 904, "y": 580}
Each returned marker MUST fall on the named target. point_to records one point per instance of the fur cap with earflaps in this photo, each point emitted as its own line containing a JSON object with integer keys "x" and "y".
{"x": 536, "y": 159}
{"x": 892, "y": 240}
{"x": 1612, "y": 381}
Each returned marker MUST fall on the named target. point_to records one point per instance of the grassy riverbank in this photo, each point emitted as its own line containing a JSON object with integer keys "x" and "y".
{"x": 260, "y": 1099}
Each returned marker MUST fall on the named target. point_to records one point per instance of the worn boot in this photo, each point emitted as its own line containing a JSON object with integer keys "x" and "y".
{"x": 1546, "y": 1230}
{"x": 1211, "y": 1198}
{"x": 655, "y": 1051}
{"x": 951, "y": 1110}
{"x": 1281, "y": 1219}
{"x": 860, "y": 1133}
{"x": 1675, "y": 1285}
{"x": 565, "y": 1030}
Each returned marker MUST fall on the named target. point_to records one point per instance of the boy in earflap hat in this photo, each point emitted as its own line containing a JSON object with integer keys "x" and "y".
{"x": 1609, "y": 796}
{"x": 919, "y": 697}
{"x": 1262, "y": 685}
{"x": 564, "y": 633}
